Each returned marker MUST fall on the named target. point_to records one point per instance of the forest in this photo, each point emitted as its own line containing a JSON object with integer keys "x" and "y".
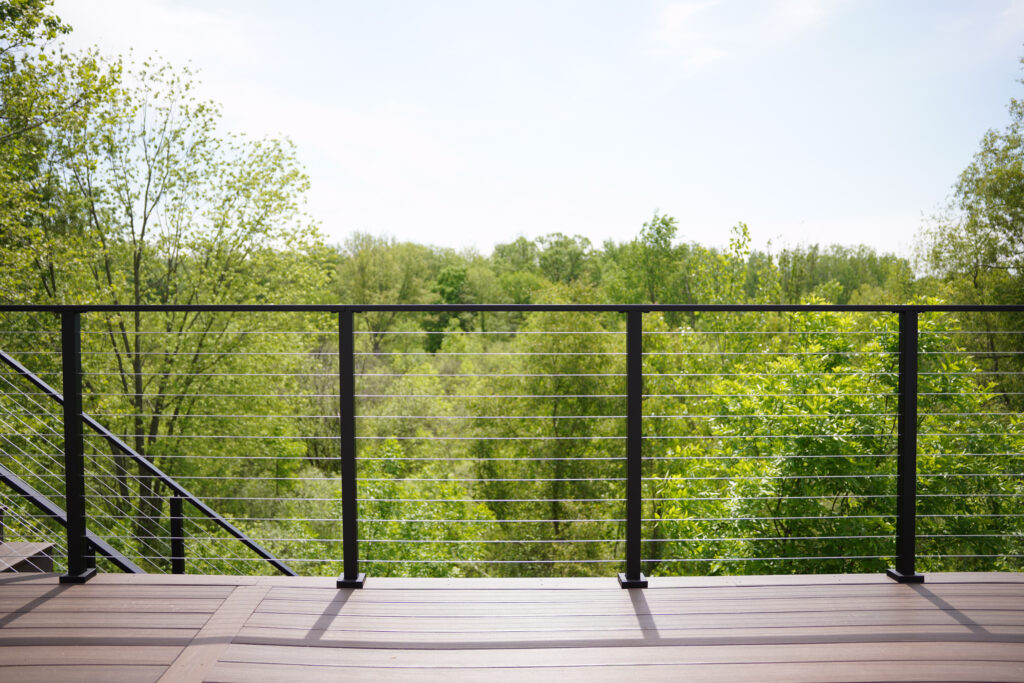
{"x": 489, "y": 444}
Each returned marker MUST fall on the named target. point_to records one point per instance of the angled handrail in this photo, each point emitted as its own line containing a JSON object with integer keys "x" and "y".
{"x": 177, "y": 488}
{"x": 54, "y": 512}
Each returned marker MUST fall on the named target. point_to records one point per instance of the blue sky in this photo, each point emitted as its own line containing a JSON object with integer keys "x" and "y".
{"x": 464, "y": 124}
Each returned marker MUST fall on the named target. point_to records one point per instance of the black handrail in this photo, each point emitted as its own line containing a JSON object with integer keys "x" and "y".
{"x": 174, "y": 486}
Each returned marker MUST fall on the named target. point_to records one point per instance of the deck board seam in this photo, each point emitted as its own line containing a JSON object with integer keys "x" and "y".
{"x": 203, "y": 652}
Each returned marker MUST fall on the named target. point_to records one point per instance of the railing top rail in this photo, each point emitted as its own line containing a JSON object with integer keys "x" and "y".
{"x": 476, "y": 308}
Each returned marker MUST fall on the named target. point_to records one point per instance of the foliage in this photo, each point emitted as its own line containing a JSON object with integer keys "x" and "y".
{"x": 488, "y": 445}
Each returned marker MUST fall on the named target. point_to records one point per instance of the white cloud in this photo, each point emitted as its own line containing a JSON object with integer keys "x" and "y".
{"x": 177, "y": 32}
{"x": 695, "y": 34}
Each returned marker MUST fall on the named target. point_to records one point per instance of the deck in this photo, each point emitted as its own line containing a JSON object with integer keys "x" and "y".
{"x": 189, "y": 628}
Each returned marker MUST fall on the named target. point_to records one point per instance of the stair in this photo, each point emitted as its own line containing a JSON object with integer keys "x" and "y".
{"x": 26, "y": 556}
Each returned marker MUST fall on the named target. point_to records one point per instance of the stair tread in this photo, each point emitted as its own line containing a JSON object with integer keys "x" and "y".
{"x": 13, "y": 553}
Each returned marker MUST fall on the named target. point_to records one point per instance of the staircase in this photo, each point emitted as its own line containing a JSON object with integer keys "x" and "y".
{"x": 23, "y": 556}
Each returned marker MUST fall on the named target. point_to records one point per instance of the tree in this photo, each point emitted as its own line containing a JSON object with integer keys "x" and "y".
{"x": 379, "y": 270}
{"x": 152, "y": 204}
{"x": 39, "y": 91}
{"x": 564, "y": 259}
{"x": 980, "y": 235}
{"x": 973, "y": 251}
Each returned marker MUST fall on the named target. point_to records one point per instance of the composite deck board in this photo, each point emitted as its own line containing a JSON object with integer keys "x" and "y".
{"x": 631, "y": 655}
{"x": 802, "y": 672}
{"x": 140, "y": 620}
{"x": 625, "y": 637}
{"x": 90, "y": 590}
{"x": 846, "y": 627}
{"x": 95, "y": 635}
{"x": 82, "y": 673}
{"x": 895, "y": 617}
{"x": 66, "y": 601}
{"x": 650, "y": 606}
{"x": 88, "y": 654}
{"x": 725, "y": 592}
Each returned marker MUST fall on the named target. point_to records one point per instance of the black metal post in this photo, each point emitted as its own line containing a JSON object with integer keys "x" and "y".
{"x": 351, "y": 577}
{"x": 906, "y": 454}
{"x": 177, "y": 536}
{"x": 81, "y": 561}
{"x": 633, "y": 577}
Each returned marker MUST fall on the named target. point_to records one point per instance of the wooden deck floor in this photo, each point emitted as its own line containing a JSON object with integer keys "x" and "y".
{"x": 190, "y": 628}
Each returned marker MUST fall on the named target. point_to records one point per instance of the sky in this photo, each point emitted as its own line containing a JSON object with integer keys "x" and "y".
{"x": 466, "y": 124}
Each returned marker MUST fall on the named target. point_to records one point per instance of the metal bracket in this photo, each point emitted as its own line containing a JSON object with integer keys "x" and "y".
{"x": 78, "y": 578}
{"x": 352, "y": 583}
{"x": 625, "y": 582}
{"x": 900, "y": 577}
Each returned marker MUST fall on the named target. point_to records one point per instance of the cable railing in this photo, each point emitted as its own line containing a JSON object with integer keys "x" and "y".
{"x": 523, "y": 440}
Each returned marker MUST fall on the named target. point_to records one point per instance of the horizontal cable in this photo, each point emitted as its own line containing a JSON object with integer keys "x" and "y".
{"x": 774, "y": 374}
{"x": 773, "y": 436}
{"x": 945, "y": 332}
{"x": 850, "y": 496}
{"x": 490, "y": 500}
{"x": 191, "y": 354}
{"x": 761, "y": 395}
{"x": 237, "y": 558}
{"x": 186, "y": 374}
{"x": 566, "y": 561}
{"x": 252, "y": 437}
{"x": 491, "y": 417}
{"x": 815, "y": 416}
{"x": 513, "y": 333}
{"x": 766, "y": 477}
{"x": 923, "y": 414}
{"x": 970, "y": 353}
{"x": 830, "y": 333}
{"x": 770, "y": 559}
{"x": 439, "y": 500}
{"x": 490, "y": 374}
{"x": 968, "y": 535}
{"x": 764, "y": 538}
{"x": 489, "y": 353}
{"x": 381, "y": 479}
{"x": 943, "y": 557}
{"x": 395, "y": 458}
{"x": 970, "y": 455}
{"x": 768, "y": 456}
{"x": 489, "y": 438}
{"x": 767, "y": 519}
{"x": 162, "y": 395}
{"x": 947, "y": 475}
{"x": 894, "y": 354}
{"x": 971, "y": 372}
{"x": 372, "y": 417}
{"x": 213, "y": 333}
{"x": 374, "y": 520}
{"x": 970, "y": 495}
{"x": 462, "y": 396}
{"x": 404, "y": 520}
{"x": 971, "y": 393}
{"x": 969, "y": 515}
{"x": 929, "y": 434}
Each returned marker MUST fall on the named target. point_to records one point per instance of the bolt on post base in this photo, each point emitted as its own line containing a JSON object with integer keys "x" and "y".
{"x": 352, "y": 583}
{"x": 78, "y": 578}
{"x": 625, "y": 582}
{"x": 900, "y": 577}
